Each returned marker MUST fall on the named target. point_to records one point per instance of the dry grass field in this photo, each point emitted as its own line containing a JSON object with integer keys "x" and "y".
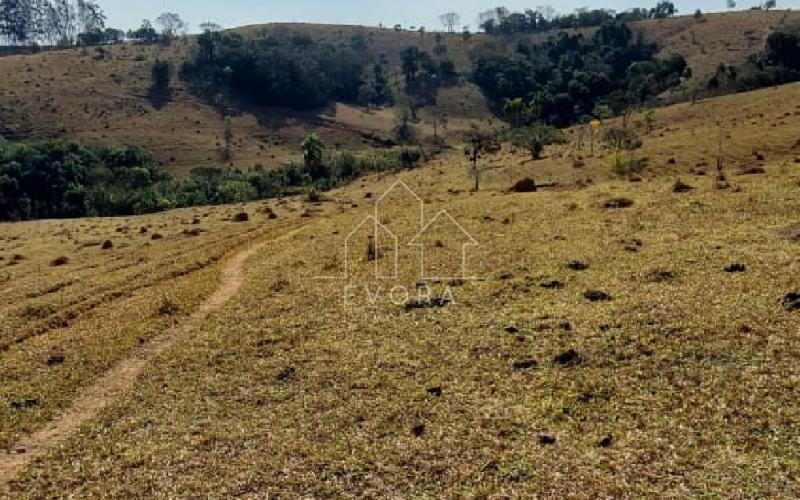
{"x": 71, "y": 307}
{"x": 101, "y": 95}
{"x": 603, "y": 351}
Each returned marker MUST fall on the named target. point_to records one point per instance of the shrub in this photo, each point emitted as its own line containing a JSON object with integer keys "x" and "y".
{"x": 313, "y": 196}
{"x": 619, "y": 163}
{"x": 410, "y": 157}
{"x": 168, "y": 307}
{"x": 621, "y": 138}
{"x": 546, "y": 134}
{"x": 236, "y": 191}
{"x": 536, "y": 148}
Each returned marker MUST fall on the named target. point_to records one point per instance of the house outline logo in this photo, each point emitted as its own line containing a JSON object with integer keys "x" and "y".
{"x": 380, "y": 231}
{"x": 377, "y": 229}
{"x": 470, "y": 242}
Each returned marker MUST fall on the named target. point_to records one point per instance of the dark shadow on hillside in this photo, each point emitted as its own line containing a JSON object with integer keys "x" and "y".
{"x": 159, "y": 97}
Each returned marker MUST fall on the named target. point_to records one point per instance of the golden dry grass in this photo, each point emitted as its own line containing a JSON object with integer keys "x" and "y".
{"x": 62, "y": 326}
{"x": 684, "y": 383}
{"x": 100, "y": 95}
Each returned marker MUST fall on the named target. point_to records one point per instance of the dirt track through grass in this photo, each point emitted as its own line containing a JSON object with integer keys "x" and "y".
{"x": 122, "y": 376}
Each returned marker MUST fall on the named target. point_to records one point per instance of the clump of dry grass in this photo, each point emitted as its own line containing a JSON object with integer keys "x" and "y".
{"x": 168, "y": 307}
{"x": 791, "y": 232}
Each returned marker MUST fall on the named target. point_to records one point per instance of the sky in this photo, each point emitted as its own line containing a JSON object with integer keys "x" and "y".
{"x": 127, "y": 14}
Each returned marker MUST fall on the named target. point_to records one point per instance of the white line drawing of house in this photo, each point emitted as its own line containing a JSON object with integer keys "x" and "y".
{"x": 469, "y": 241}
{"x": 378, "y": 228}
{"x": 380, "y": 234}
{"x": 400, "y": 184}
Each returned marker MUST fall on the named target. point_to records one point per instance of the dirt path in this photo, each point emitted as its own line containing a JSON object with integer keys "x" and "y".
{"x": 124, "y": 374}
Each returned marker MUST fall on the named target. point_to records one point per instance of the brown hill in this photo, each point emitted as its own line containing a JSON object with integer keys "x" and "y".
{"x": 99, "y": 95}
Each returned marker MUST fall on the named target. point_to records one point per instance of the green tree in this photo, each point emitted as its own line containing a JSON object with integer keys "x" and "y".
{"x": 314, "y": 156}
{"x": 514, "y": 110}
{"x": 649, "y": 116}
{"x": 160, "y": 74}
{"x": 409, "y": 59}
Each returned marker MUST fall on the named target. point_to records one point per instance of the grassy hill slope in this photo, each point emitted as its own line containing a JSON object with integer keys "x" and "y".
{"x": 100, "y": 95}
{"x": 681, "y": 383}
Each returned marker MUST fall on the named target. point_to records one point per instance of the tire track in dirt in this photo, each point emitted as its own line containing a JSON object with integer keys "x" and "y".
{"x": 115, "y": 382}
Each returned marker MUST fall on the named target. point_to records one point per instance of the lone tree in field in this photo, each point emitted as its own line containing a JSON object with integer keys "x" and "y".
{"x": 404, "y": 130}
{"x": 731, "y": 4}
{"x": 227, "y": 136}
{"x": 450, "y": 20}
{"x": 478, "y": 142}
{"x": 160, "y": 75}
{"x": 314, "y": 155}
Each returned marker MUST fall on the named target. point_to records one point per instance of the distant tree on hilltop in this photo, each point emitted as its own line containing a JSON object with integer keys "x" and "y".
{"x": 450, "y": 20}
{"x": 172, "y": 25}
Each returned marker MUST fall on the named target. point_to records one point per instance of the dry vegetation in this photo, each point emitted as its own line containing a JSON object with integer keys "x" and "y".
{"x": 101, "y": 95}
{"x": 72, "y": 306}
{"x": 645, "y": 350}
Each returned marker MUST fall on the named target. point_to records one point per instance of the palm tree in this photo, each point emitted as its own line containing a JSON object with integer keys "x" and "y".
{"x": 313, "y": 155}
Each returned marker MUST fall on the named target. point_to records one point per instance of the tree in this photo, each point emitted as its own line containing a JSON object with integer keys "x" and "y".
{"x": 410, "y": 64}
{"x": 731, "y": 4}
{"x": 514, "y": 109}
{"x": 61, "y": 19}
{"x": 664, "y": 9}
{"x": 145, "y": 34}
{"x": 783, "y": 48}
{"x": 161, "y": 74}
{"x": 450, "y": 20}
{"x": 172, "y": 25}
{"x": 209, "y": 26}
{"x": 478, "y": 142}
{"x": 227, "y": 136}
{"x": 314, "y": 155}
{"x": 404, "y": 131}
{"x": 18, "y": 21}
{"x": 770, "y": 4}
{"x": 649, "y": 116}
{"x": 90, "y": 16}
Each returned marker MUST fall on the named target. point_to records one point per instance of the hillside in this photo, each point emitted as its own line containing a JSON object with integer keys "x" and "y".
{"x": 100, "y": 95}
{"x": 624, "y": 338}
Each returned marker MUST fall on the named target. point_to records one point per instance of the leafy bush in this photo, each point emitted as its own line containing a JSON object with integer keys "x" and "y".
{"x": 621, "y": 138}
{"x": 545, "y": 134}
{"x": 410, "y": 157}
{"x": 536, "y": 147}
{"x": 619, "y": 163}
